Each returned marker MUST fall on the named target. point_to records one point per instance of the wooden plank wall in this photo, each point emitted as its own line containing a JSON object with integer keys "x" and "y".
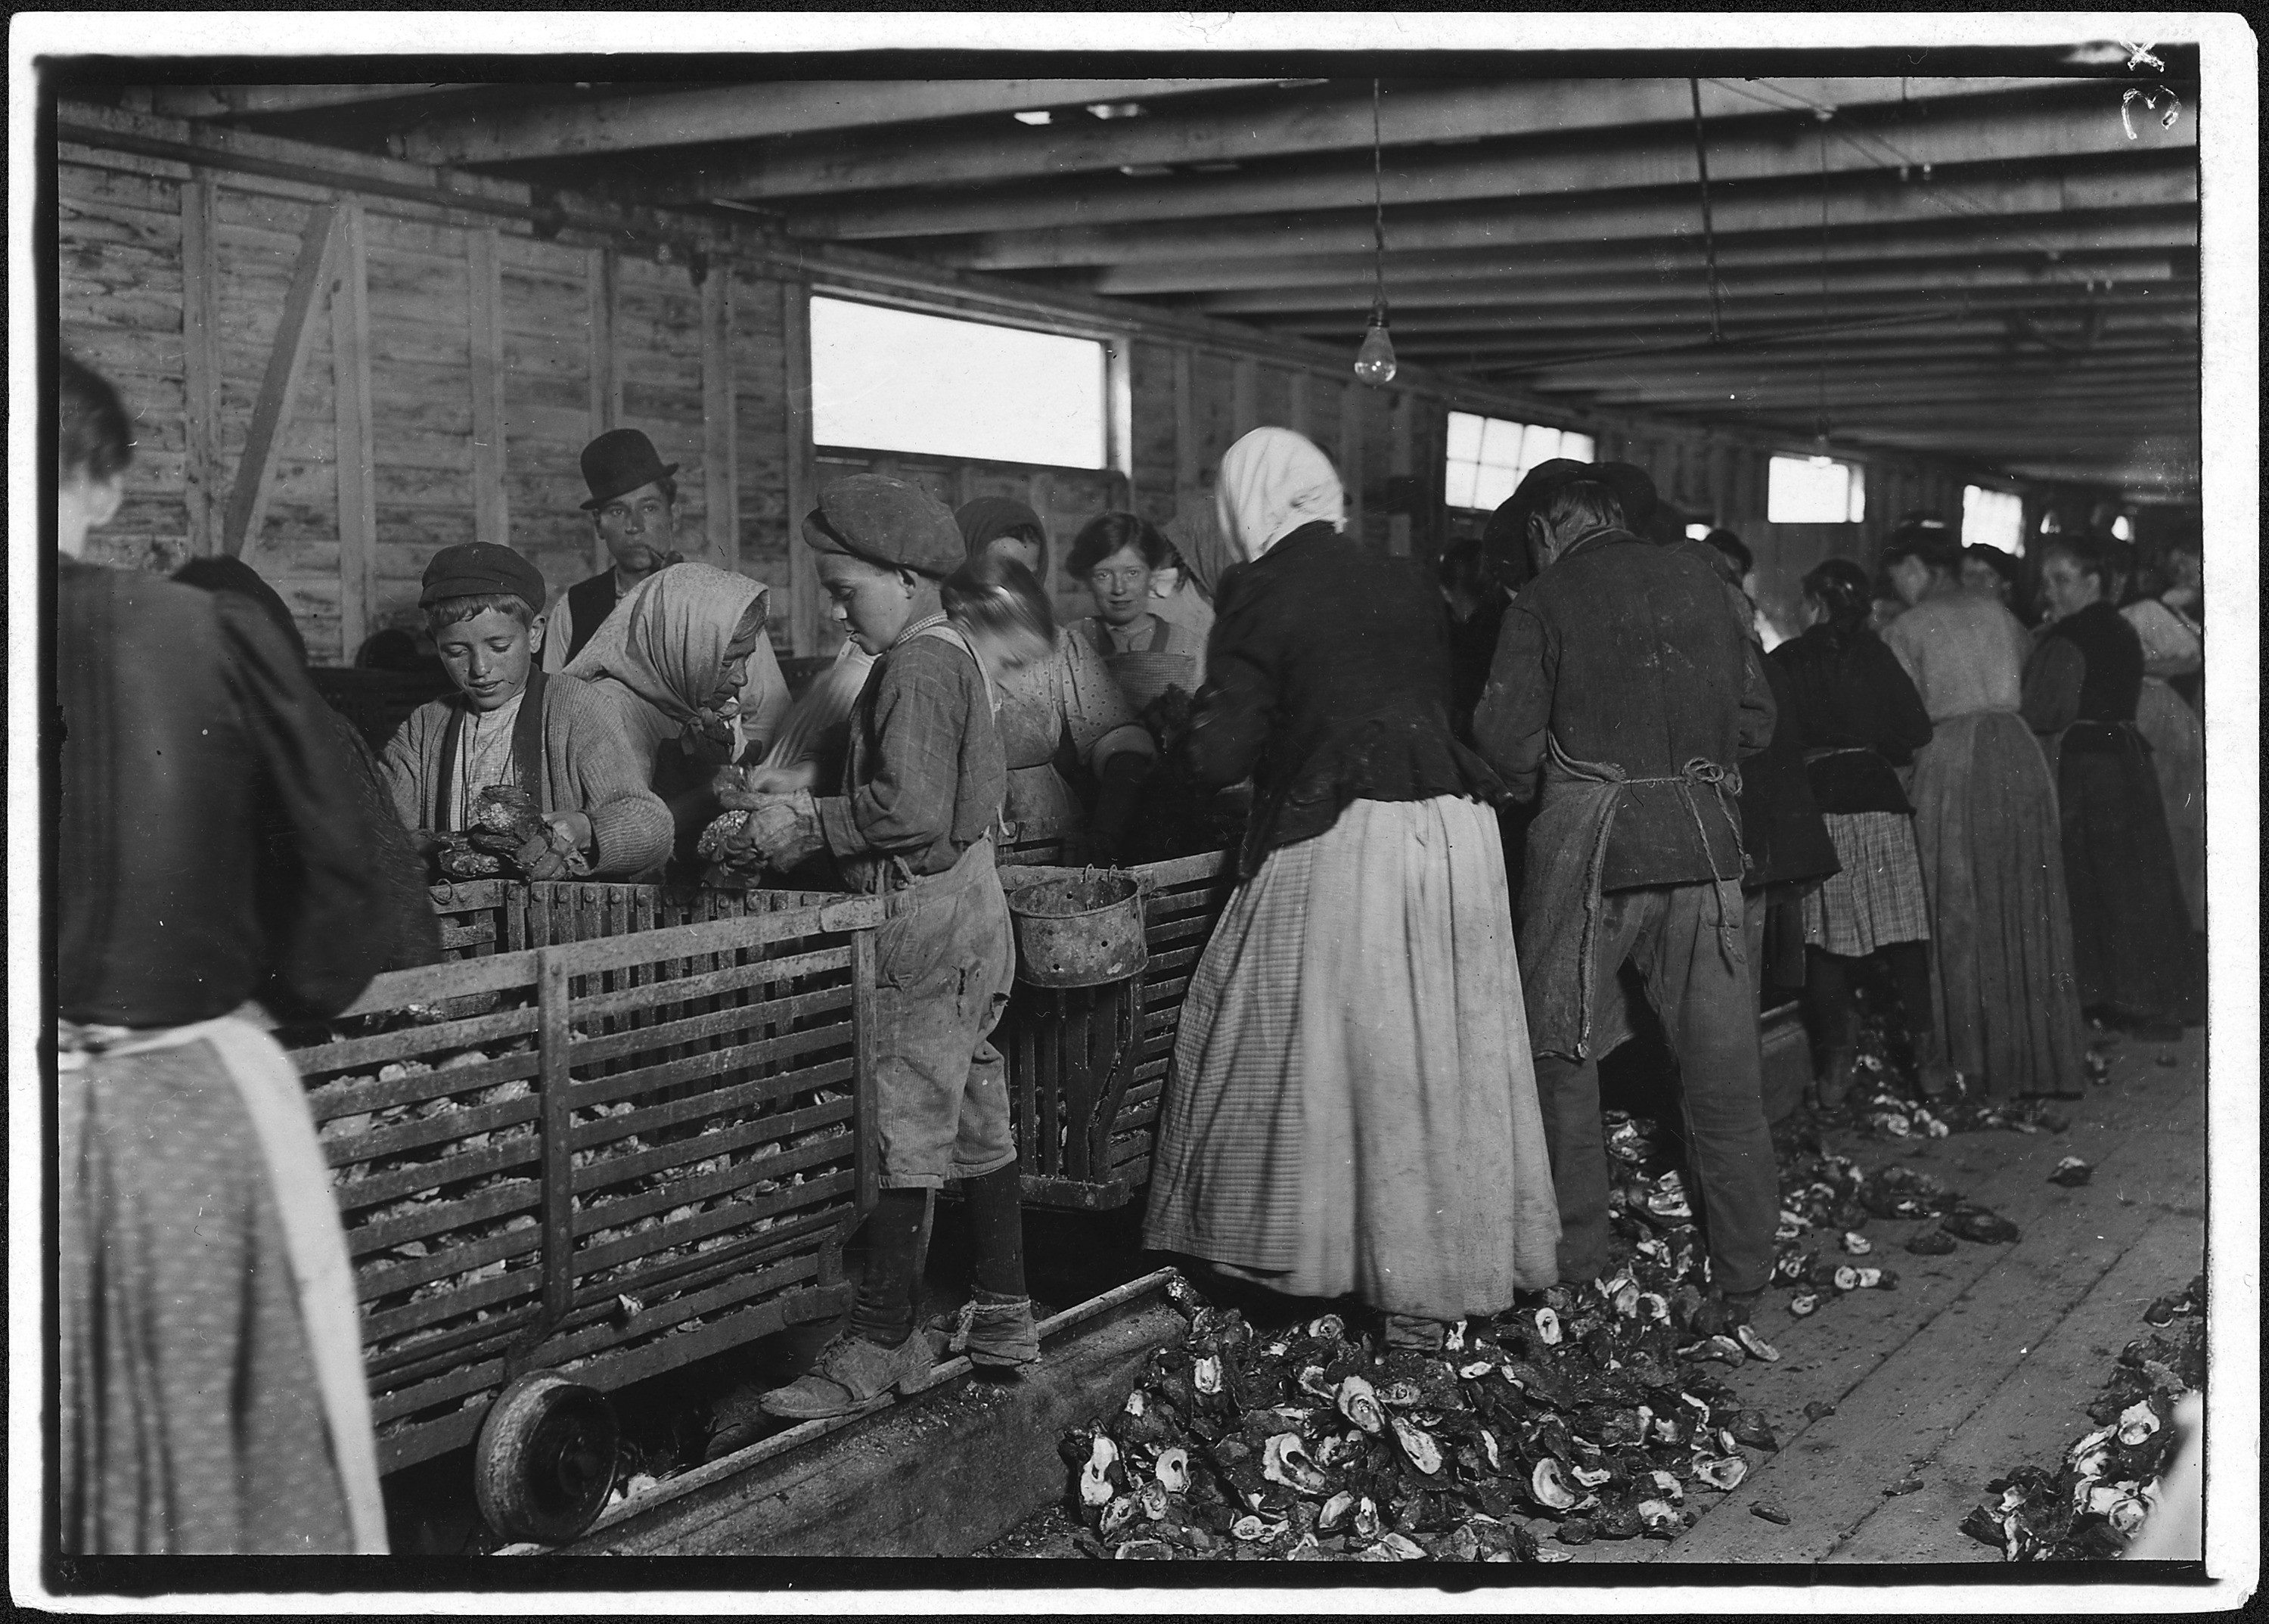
{"x": 472, "y": 360}
{"x": 457, "y": 354}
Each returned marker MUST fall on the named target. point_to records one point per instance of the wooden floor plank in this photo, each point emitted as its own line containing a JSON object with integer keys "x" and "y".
{"x": 2036, "y": 1410}
{"x": 1902, "y": 1395}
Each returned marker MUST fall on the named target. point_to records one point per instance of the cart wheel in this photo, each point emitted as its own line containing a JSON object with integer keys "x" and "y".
{"x": 545, "y": 1460}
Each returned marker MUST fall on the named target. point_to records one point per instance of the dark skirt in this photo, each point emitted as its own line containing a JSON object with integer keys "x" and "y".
{"x": 2129, "y": 928}
{"x": 1985, "y": 823}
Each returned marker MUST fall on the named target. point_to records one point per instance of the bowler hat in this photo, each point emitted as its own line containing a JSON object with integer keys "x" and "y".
{"x": 620, "y": 460}
{"x": 886, "y": 522}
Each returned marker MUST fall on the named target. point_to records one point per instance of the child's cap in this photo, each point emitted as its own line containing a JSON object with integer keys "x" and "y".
{"x": 886, "y": 522}
{"x": 472, "y": 568}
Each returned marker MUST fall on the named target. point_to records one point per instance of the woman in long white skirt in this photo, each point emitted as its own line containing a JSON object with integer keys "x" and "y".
{"x": 1351, "y": 1109}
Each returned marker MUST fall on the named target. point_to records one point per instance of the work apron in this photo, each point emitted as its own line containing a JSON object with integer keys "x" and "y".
{"x": 1560, "y": 895}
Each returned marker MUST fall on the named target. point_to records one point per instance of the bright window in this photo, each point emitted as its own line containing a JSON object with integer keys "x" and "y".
{"x": 1814, "y": 490}
{"x": 1489, "y": 456}
{"x": 2124, "y": 528}
{"x": 1992, "y": 518}
{"x": 1699, "y": 532}
{"x": 898, "y": 380}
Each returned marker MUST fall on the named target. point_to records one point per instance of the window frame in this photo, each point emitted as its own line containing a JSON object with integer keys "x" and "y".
{"x": 1520, "y": 469}
{"x": 1855, "y": 483}
{"x": 2016, "y": 551}
{"x": 1117, "y": 370}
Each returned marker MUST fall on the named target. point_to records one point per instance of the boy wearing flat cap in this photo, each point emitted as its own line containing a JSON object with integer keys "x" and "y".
{"x": 507, "y": 724}
{"x": 920, "y": 794}
{"x": 633, "y": 506}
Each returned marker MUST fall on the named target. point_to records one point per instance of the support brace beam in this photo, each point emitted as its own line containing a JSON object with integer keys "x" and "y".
{"x": 271, "y": 412}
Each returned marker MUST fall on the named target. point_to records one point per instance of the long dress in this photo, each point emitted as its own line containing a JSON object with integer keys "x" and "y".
{"x": 2129, "y": 945}
{"x": 1352, "y": 1105}
{"x": 2172, "y": 649}
{"x": 2003, "y": 993}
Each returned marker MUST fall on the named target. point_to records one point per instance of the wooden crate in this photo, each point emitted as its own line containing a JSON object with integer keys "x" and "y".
{"x": 1059, "y": 1048}
{"x": 611, "y": 1152}
{"x": 480, "y": 917}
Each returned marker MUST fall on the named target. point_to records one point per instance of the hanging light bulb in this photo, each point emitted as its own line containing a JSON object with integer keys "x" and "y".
{"x": 1374, "y": 362}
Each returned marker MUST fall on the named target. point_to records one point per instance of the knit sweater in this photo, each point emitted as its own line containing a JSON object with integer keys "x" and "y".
{"x": 588, "y": 767}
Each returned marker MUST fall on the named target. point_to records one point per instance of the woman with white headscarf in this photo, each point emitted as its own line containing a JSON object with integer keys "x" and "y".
{"x": 684, "y": 669}
{"x": 1352, "y": 1110}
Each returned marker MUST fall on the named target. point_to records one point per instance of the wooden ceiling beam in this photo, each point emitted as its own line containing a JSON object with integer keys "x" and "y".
{"x": 1801, "y": 305}
{"x": 1596, "y": 163}
{"x": 613, "y": 122}
{"x": 229, "y": 101}
{"x": 1687, "y": 343}
{"x": 2145, "y": 180}
{"x": 1339, "y": 120}
{"x": 2035, "y": 234}
{"x": 1547, "y": 284}
{"x": 1993, "y": 443}
{"x": 1858, "y": 372}
{"x": 1975, "y": 391}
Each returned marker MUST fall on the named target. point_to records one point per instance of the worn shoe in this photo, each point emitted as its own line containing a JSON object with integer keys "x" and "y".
{"x": 850, "y": 1372}
{"x": 998, "y": 1335}
{"x": 1723, "y": 1313}
{"x": 1837, "y": 1077}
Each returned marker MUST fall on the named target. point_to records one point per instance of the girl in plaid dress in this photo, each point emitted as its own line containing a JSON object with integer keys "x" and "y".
{"x": 1862, "y": 718}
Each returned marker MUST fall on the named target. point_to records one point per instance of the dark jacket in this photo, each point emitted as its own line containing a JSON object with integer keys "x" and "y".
{"x": 188, "y": 735}
{"x": 1859, "y": 716}
{"x": 2113, "y": 680}
{"x": 589, "y": 602}
{"x": 1473, "y": 646}
{"x": 1627, "y": 654}
{"x": 1782, "y": 840}
{"x": 1327, "y": 679}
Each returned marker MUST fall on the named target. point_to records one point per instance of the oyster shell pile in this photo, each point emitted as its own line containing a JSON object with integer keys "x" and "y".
{"x": 1827, "y": 1201}
{"x": 1319, "y": 1444}
{"x": 2095, "y": 1499}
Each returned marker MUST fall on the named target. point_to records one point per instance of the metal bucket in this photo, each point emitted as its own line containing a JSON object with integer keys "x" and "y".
{"x": 1077, "y": 928}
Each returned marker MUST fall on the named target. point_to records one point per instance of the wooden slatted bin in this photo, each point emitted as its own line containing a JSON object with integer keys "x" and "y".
{"x": 1059, "y": 1048}
{"x": 608, "y": 1156}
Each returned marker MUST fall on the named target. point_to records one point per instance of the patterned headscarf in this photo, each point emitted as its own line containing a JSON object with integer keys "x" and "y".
{"x": 1273, "y": 481}
{"x": 669, "y": 637}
